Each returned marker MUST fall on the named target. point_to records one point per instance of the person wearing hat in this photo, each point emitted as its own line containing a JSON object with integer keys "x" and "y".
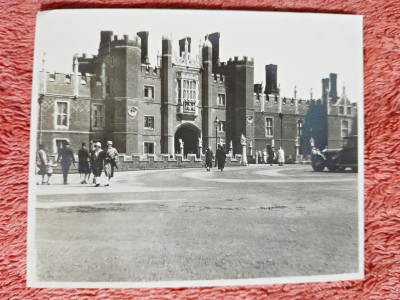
{"x": 110, "y": 162}
{"x": 66, "y": 157}
{"x": 97, "y": 162}
{"x": 84, "y": 163}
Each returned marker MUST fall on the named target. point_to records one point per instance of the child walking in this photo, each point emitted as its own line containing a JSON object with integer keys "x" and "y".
{"x": 49, "y": 170}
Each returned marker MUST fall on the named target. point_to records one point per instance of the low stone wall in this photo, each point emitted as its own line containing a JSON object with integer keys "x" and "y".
{"x": 152, "y": 162}
{"x": 290, "y": 159}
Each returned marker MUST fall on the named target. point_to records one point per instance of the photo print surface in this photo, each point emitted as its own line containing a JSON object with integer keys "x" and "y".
{"x": 175, "y": 148}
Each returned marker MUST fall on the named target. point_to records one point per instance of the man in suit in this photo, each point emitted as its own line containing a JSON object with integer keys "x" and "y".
{"x": 66, "y": 157}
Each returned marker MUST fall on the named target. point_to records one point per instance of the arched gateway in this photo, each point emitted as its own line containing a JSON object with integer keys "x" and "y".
{"x": 189, "y": 134}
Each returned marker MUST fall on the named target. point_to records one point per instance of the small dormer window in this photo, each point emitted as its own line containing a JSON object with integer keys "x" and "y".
{"x": 221, "y": 99}
{"x": 149, "y": 92}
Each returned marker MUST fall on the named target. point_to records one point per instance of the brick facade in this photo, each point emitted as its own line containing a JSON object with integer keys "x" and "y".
{"x": 116, "y": 95}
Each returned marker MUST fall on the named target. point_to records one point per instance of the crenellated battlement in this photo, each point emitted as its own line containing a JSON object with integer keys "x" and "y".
{"x": 218, "y": 78}
{"x": 67, "y": 78}
{"x": 272, "y": 103}
{"x": 126, "y": 41}
{"x": 285, "y": 100}
{"x": 238, "y": 61}
{"x": 63, "y": 81}
{"x": 68, "y": 84}
{"x": 150, "y": 71}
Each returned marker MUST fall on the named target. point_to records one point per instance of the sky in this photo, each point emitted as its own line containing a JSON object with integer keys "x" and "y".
{"x": 306, "y": 47}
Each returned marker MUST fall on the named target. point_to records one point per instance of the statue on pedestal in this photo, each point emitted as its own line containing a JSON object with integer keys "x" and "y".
{"x": 243, "y": 140}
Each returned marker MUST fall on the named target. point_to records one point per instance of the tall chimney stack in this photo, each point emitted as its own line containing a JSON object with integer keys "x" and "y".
{"x": 325, "y": 88}
{"x": 271, "y": 86}
{"x": 214, "y": 39}
{"x": 144, "y": 36}
{"x": 333, "y": 87}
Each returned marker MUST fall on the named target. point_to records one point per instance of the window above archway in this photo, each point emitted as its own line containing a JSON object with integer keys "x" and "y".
{"x": 187, "y": 94}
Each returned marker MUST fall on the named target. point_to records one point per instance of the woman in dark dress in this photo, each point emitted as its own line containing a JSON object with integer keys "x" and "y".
{"x": 220, "y": 156}
{"x": 209, "y": 158}
{"x": 84, "y": 163}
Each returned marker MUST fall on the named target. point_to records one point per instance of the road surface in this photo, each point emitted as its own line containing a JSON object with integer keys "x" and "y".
{"x": 188, "y": 224}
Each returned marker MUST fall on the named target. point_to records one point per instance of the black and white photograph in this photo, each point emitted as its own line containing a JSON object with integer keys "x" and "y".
{"x": 177, "y": 148}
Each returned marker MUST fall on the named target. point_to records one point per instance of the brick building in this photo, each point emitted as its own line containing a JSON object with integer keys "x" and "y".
{"x": 116, "y": 95}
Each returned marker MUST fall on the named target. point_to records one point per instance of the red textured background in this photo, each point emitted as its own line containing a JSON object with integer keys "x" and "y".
{"x": 382, "y": 145}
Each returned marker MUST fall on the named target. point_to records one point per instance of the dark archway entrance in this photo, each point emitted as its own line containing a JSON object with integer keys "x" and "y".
{"x": 190, "y": 137}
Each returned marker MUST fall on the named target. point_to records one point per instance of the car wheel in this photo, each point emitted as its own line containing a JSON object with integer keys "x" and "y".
{"x": 354, "y": 169}
{"x": 318, "y": 164}
{"x": 331, "y": 166}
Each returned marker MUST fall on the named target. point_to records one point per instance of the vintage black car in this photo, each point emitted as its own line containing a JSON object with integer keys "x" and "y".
{"x": 337, "y": 159}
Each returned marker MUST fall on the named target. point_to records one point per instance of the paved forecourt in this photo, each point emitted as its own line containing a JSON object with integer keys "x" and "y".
{"x": 189, "y": 224}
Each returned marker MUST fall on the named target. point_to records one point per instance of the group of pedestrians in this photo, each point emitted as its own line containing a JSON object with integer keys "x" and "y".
{"x": 97, "y": 160}
{"x": 269, "y": 156}
{"x": 94, "y": 161}
{"x": 103, "y": 159}
{"x": 220, "y": 158}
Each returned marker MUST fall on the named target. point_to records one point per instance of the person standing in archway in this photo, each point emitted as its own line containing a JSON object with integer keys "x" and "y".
{"x": 220, "y": 157}
{"x": 209, "y": 158}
